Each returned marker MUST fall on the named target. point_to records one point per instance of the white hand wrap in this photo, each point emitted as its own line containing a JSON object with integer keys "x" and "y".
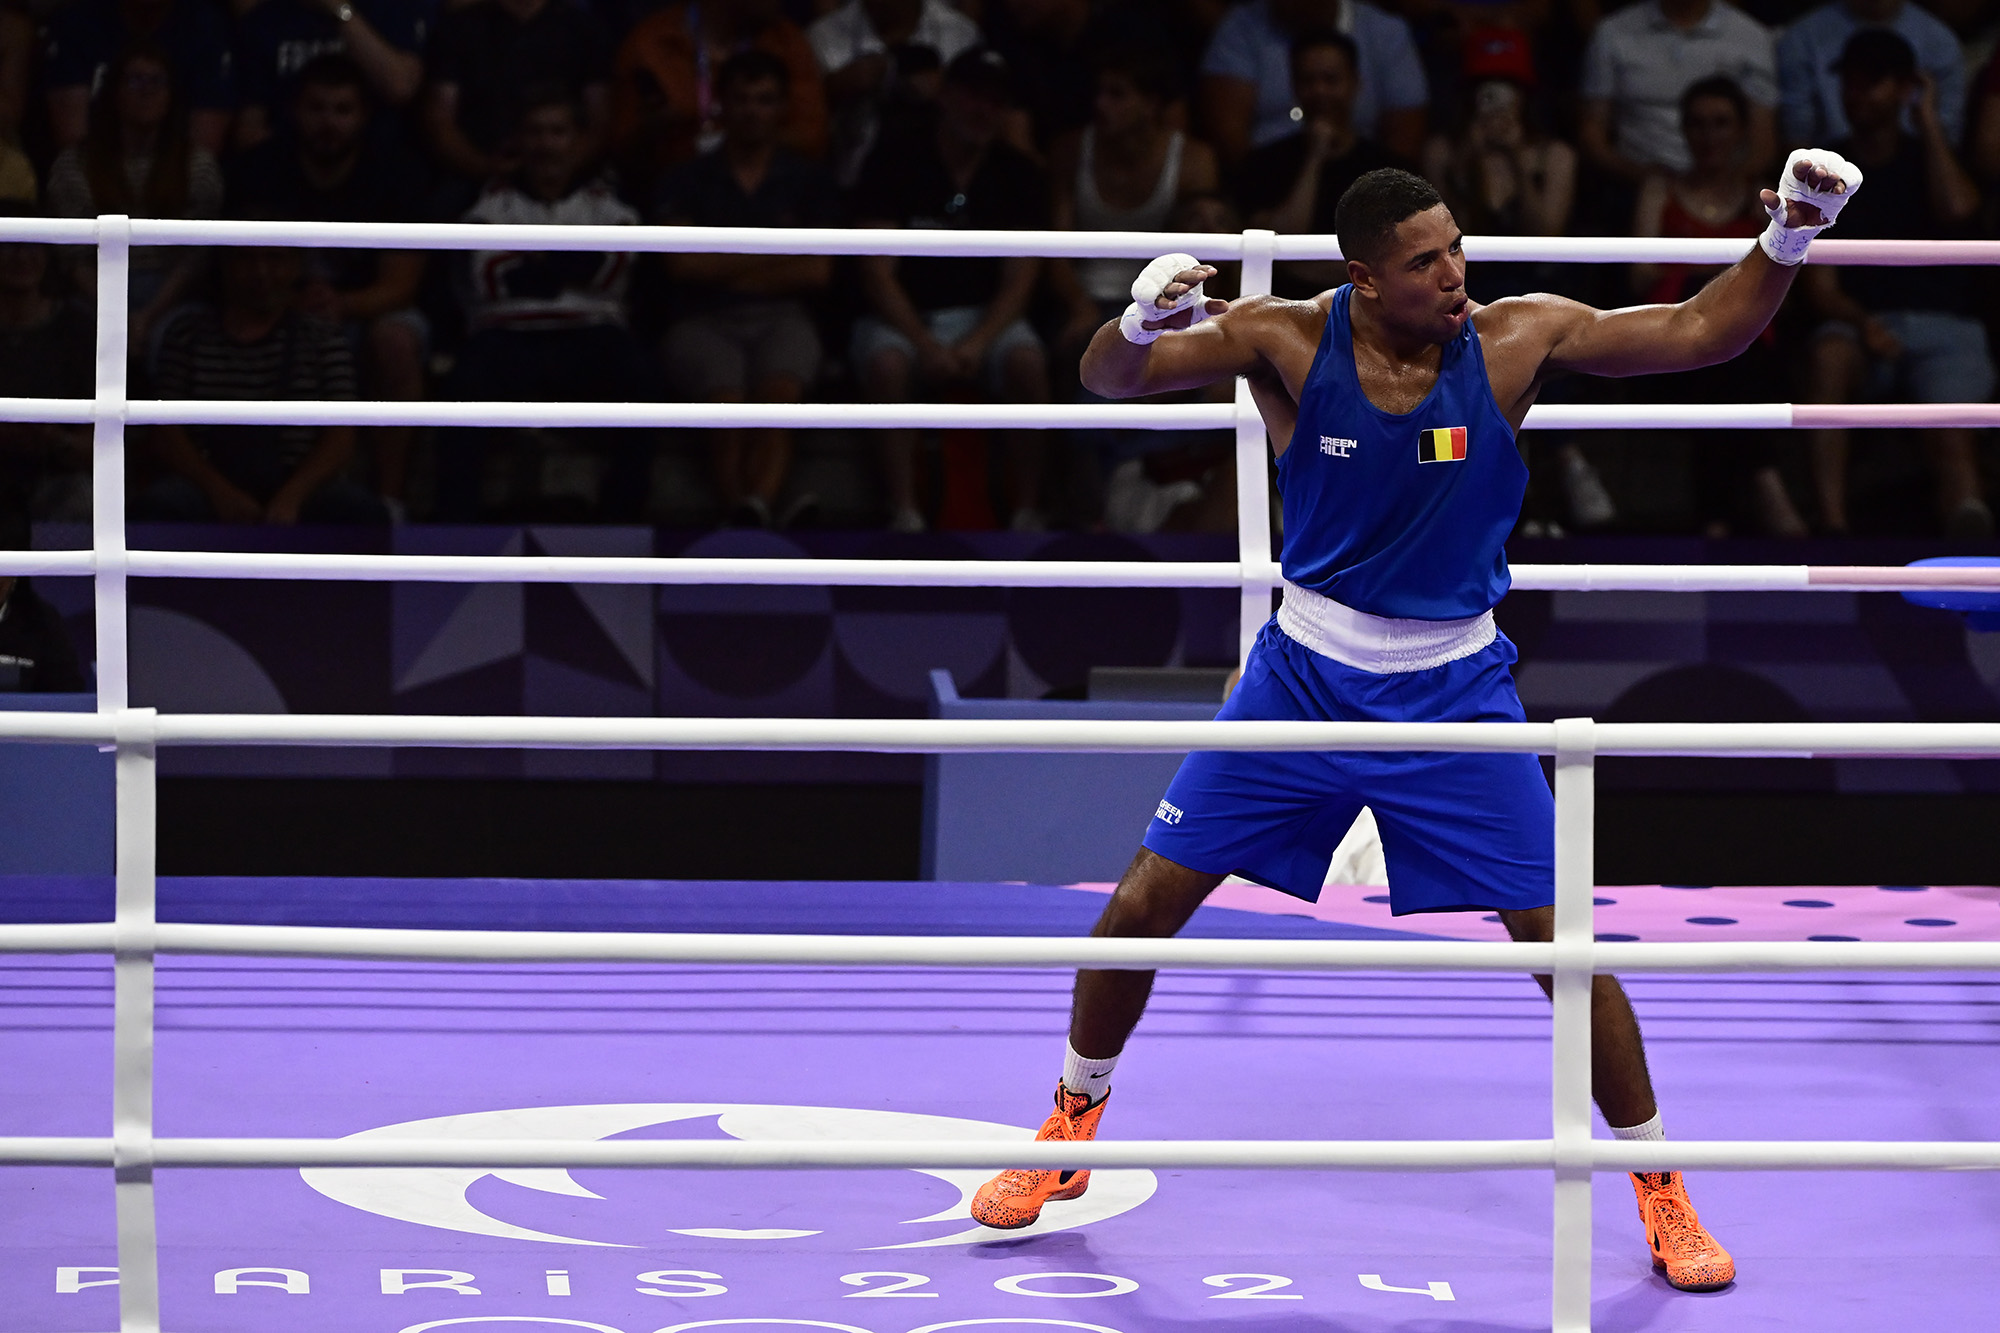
{"x": 1146, "y": 289}
{"x": 1787, "y": 245}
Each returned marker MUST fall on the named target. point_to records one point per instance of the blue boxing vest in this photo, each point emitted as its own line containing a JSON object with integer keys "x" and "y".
{"x": 1401, "y": 516}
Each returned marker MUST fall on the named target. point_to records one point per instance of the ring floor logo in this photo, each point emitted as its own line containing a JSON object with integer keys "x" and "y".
{"x": 440, "y": 1198}
{"x": 753, "y": 1323}
{"x": 444, "y": 1197}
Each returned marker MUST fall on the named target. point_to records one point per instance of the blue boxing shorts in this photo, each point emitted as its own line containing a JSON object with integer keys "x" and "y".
{"x": 1460, "y": 832}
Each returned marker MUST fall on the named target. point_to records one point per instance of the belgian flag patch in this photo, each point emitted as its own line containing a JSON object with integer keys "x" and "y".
{"x": 1446, "y": 444}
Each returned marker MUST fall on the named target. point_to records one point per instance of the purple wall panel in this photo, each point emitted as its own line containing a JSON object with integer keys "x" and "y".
{"x": 862, "y": 652}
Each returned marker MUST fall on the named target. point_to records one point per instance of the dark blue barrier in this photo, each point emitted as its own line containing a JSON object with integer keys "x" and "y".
{"x": 56, "y": 801}
{"x": 1044, "y": 818}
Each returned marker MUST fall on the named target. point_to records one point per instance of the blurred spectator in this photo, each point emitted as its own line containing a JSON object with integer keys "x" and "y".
{"x": 1642, "y": 58}
{"x": 86, "y": 37}
{"x": 256, "y": 345}
{"x": 748, "y": 334}
{"x": 1982, "y": 137}
{"x": 953, "y": 324}
{"x": 47, "y": 350}
{"x": 1051, "y": 45}
{"x": 137, "y": 158}
{"x": 18, "y": 72}
{"x": 1132, "y": 170}
{"x": 667, "y": 102}
{"x": 1446, "y": 28}
{"x": 36, "y": 655}
{"x": 1906, "y": 334}
{"x": 551, "y": 327}
{"x": 1809, "y": 84}
{"x": 1246, "y": 89}
{"x": 1499, "y": 174}
{"x": 327, "y": 167}
{"x": 879, "y": 55}
{"x": 1177, "y": 29}
{"x": 17, "y": 175}
{"x": 487, "y": 56}
{"x": 1293, "y": 183}
{"x": 1717, "y": 197}
{"x": 276, "y": 39}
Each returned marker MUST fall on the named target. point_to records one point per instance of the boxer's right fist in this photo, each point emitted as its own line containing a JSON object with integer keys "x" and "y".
{"x": 1167, "y": 295}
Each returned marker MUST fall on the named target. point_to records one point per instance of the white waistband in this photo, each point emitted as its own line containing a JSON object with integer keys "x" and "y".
{"x": 1378, "y": 643}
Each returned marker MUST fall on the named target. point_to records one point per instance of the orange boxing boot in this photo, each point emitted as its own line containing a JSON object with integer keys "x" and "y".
{"x": 1682, "y": 1248}
{"x": 1014, "y": 1199}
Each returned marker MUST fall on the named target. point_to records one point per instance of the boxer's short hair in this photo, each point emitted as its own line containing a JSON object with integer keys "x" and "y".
{"x": 1367, "y": 216}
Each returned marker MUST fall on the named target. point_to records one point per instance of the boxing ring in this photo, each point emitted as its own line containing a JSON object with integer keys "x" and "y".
{"x": 1567, "y": 1153}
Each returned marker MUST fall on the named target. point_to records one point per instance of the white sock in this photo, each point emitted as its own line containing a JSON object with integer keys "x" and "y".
{"x": 1650, "y": 1132}
{"x": 1087, "y": 1078}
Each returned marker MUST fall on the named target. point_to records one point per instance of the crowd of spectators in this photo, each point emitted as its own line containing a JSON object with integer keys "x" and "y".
{"x": 1533, "y": 117}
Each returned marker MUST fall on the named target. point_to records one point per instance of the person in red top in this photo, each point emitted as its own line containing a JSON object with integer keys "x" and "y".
{"x": 1717, "y": 197}
{"x": 666, "y": 104}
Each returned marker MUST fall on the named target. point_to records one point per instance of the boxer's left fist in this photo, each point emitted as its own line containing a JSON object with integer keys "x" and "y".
{"x": 1814, "y": 186}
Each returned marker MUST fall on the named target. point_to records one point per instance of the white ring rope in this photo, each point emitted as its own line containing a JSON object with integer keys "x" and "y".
{"x": 850, "y": 573}
{"x": 1160, "y": 1154}
{"x": 531, "y": 946}
{"x": 1740, "y": 740}
{"x": 955, "y": 416}
{"x": 1573, "y": 958}
{"x": 997, "y": 244}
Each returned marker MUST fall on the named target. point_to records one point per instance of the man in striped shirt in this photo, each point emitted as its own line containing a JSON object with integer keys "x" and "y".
{"x": 256, "y": 345}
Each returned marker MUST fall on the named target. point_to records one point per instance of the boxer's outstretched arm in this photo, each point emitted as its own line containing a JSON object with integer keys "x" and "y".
{"x": 1713, "y": 325}
{"x": 1720, "y": 320}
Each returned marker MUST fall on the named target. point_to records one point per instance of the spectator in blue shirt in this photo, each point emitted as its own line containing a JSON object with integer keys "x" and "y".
{"x": 1809, "y": 104}
{"x": 275, "y": 39}
{"x": 1294, "y": 184}
{"x": 1246, "y": 75}
{"x": 86, "y": 35}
